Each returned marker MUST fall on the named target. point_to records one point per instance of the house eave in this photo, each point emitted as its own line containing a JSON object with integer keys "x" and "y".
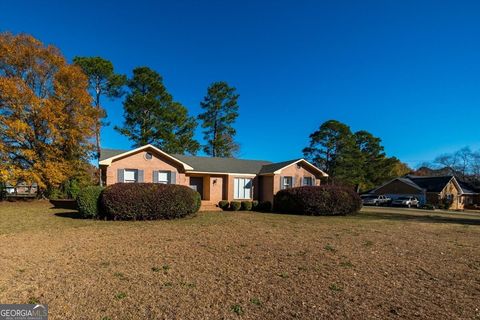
{"x": 108, "y": 161}
{"x": 322, "y": 173}
{"x": 221, "y": 173}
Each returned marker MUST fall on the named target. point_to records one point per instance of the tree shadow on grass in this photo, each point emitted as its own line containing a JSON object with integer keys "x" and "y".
{"x": 431, "y": 218}
{"x": 70, "y": 214}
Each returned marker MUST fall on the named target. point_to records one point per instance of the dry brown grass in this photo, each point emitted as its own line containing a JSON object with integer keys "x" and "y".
{"x": 376, "y": 265}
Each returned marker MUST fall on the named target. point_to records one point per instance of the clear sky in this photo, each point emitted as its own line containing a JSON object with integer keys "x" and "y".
{"x": 407, "y": 71}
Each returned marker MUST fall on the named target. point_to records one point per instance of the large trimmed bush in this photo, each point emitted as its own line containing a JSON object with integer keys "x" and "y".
{"x": 328, "y": 200}
{"x": 88, "y": 201}
{"x": 148, "y": 201}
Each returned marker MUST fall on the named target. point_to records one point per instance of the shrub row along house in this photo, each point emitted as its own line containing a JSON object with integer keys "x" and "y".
{"x": 214, "y": 178}
{"x": 443, "y": 191}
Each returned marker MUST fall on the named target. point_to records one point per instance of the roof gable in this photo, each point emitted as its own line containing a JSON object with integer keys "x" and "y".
{"x": 393, "y": 187}
{"x": 112, "y": 154}
{"x": 275, "y": 168}
{"x": 272, "y": 167}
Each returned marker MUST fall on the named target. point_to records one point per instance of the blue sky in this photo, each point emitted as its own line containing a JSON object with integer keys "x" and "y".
{"x": 407, "y": 71}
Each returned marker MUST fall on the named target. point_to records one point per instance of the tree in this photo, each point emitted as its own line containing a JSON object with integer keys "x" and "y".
{"x": 46, "y": 118}
{"x": 353, "y": 158}
{"x": 102, "y": 81}
{"x": 400, "y": 169}
{"x": 152, "y": 117}
{"x": 464, "y": 164}
{"x": 333, "y": 148}
{"x": 376, "y": 166}
{"x": 220, "y": 107}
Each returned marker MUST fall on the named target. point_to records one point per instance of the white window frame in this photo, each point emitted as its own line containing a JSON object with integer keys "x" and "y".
{"x": 167, "y": 180}
{"x": 135, "y": 175}
{"x": 287, "y": 182}
{"x": 240, "y": 187}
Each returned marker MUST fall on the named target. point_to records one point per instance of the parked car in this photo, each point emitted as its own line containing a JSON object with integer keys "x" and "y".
{"x": 406, "y": 202}
{"x": 374, "y": 200}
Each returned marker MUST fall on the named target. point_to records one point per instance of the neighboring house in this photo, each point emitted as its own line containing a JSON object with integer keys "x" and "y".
{"x": 442, "y": 190}
{"x": 22, "y": 188}
{"x": 214, "y": 178}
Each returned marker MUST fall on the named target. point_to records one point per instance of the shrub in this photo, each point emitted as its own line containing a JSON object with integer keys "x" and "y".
{"x": 235, "y": 205}
{"x": 264, "y": 206}
{"x": 88, "y": 201}
{"x": 72, "y": 189}
{"x": 56, "y": 194}
{"x": 254, "y": 205}
{"x": 246, "y": 205}
{"x": 148, "y": 201}
{"x": 223, "y": 205}
{"x": 317, "y": 200}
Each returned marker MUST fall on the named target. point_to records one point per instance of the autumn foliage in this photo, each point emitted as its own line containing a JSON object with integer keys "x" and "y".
{"x": 46, "y": 117}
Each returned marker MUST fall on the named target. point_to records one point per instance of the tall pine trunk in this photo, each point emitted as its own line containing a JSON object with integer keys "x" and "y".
{"x": 97, "y": 135}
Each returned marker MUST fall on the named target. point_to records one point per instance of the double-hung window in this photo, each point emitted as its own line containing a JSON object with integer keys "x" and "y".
{"x": 287, "y": 182}
{"x": 242, "y": 188}
{"x": 130, "y": 176}
{"x": 307, "y": 181}
{"x": 163, "y": 177}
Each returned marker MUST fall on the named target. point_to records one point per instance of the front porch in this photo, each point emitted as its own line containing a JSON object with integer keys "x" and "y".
{"x": 212, "y": 188}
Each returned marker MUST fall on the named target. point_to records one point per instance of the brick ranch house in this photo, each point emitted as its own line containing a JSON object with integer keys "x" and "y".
{"x": 214, "y": 178}
{"x": 431, "y": 190}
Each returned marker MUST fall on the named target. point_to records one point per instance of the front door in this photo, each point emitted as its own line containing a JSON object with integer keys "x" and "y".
{"x": 196, "y": 183}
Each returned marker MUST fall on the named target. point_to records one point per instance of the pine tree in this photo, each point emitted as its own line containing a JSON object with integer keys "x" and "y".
{"x": 102, "y": 81}
{"x": 153, "y": 117}
{"x": 353, "y": 158}
{"x": 220, "y": 107}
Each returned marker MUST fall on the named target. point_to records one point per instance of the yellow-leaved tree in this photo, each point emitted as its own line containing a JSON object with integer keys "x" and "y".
{"x": 46, "y": 118}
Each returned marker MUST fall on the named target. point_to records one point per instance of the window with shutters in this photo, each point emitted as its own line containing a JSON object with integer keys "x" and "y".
{"x": 130, "y": 175}
{"x": 287, "y": 182}
{"x": 242, "y": 188}
{"x": 307, "y": 181}
{"x": 163, "y": 177}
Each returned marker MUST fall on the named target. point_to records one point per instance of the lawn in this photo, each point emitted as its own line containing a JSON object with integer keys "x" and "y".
{"x": 381, "y": 263}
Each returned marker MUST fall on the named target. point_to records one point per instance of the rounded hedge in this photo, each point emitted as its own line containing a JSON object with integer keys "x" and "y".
{"x": 223, "y": 204}
{"x": 327, "y": 200}
{"x": 246, "y": 205}
{"x": 148, "y": 201}
{"x": 88, "y": 201}
{"x": 235, "y": 205}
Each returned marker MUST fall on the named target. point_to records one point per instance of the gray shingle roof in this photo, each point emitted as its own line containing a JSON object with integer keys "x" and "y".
{"x": 207, "y": 164}
{"x": 467, "y": 188}
{"x": 225, "y": 165}
{"x": 410, "y": 183}
{"x": 431, "y": 184}
{"x": 108, "y": 153}
{"x": 272, "y": 167}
